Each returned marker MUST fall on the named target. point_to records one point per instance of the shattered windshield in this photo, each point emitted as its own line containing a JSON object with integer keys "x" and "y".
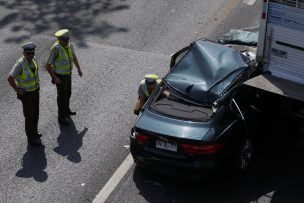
{"x": 206, "y": 71}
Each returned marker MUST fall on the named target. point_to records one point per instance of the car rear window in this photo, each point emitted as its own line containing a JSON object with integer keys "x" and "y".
{"x": 169, "y": 104}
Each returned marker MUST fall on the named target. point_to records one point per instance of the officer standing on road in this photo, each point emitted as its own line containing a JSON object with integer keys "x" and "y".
{"x": 145, "y": 89}
{"x": 59, "y": 65}
{"x": 24, "y": 79}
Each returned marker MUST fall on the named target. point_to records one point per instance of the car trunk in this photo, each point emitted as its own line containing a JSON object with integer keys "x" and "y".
{"x": 169, "y": 126}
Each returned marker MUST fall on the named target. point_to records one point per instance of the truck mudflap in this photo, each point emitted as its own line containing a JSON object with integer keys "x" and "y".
{"x": 278, "y": 86}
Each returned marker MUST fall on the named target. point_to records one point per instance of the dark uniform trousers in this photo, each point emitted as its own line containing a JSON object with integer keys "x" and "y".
{"x": 30, "y": 104}
{"x": 64, "y": 91}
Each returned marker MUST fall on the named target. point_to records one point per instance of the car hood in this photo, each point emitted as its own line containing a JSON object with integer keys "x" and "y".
{"x": 206, "y": 70}
{"x": 164, "y": 125}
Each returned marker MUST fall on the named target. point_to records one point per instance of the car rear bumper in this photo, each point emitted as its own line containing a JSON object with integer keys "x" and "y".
{"x": 188, "y": 167}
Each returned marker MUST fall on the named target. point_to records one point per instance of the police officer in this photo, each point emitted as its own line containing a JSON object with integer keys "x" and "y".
{"x": 24, "y": 79}
{"x": 59, "y": 65}
{"x": 145, "y": 89}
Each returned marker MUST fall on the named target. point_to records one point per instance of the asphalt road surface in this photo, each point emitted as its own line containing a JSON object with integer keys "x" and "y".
{"x": 117, "y": 43}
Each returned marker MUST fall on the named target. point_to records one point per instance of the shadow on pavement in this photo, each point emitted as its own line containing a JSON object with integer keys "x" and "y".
{"x": 34, "y": 162}
{"x": 277, "y": 174}
{"x": 31, "y": 17}
{"x": 276, "y": 178}
{"x": 70, "y": 141}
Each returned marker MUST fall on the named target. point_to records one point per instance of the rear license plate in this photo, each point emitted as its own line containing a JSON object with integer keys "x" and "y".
{"x": 169, "y": 146}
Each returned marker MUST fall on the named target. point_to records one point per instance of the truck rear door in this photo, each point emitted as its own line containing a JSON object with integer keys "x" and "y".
{"x": 281, "y": 48}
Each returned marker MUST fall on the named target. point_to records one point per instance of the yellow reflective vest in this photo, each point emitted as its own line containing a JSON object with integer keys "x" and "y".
{"x": 28, "y": 80}
{"x": 64, "y": 62}
{"x": 144, "y": 87}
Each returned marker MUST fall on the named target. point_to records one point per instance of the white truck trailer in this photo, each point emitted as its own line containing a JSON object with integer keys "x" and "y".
{"x": 280, "y": 50}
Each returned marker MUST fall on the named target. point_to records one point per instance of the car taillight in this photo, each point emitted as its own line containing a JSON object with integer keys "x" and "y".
{"x": 141, "y": 138}
{"x": 192, "y": 149}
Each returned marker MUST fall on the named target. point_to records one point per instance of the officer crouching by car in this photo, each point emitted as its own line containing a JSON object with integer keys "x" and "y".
{"x": 145, "y": 89}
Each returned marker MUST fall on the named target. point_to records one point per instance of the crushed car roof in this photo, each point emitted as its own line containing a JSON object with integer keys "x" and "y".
{"x": 206, "y": 70}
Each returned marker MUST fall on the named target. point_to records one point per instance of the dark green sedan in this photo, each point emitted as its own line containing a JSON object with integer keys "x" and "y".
{"x": 198, "y": 121}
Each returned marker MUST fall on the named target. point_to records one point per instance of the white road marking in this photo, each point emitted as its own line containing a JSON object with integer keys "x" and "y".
{"x": 114, "y": 180}
{"x": 249, "y": 2}
{"x": 265, "y": 198}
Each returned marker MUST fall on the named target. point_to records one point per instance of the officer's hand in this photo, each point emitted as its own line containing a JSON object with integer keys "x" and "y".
{"x": 56, "y": 81}
{"x": 80, "y": 72}
{"x": 20, "y": 91}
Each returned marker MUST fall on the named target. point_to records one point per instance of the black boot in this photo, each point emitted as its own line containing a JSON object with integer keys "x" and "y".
{"x": 71, "y": 113}
{"x": 34, "y": 142}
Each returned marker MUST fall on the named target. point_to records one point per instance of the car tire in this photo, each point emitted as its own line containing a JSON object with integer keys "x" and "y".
{"x": 245, "y": 155}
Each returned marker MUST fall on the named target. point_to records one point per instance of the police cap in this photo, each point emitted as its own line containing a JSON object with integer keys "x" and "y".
{"x": 29, "y": 46}
{"x": 151, "y": 78}
{"x": 62, "y": 34}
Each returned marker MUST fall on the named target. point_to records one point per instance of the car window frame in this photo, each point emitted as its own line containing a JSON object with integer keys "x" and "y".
{"x": 181, "y": 53}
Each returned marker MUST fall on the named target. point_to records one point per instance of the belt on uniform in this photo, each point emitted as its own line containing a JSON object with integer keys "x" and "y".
{"x": 63, "y": 76}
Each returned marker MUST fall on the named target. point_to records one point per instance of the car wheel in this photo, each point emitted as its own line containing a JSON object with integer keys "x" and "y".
{"x": 245, "y": 155}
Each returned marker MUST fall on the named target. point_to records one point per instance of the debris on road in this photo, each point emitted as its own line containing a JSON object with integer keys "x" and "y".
{"x": 240, "y": 37}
